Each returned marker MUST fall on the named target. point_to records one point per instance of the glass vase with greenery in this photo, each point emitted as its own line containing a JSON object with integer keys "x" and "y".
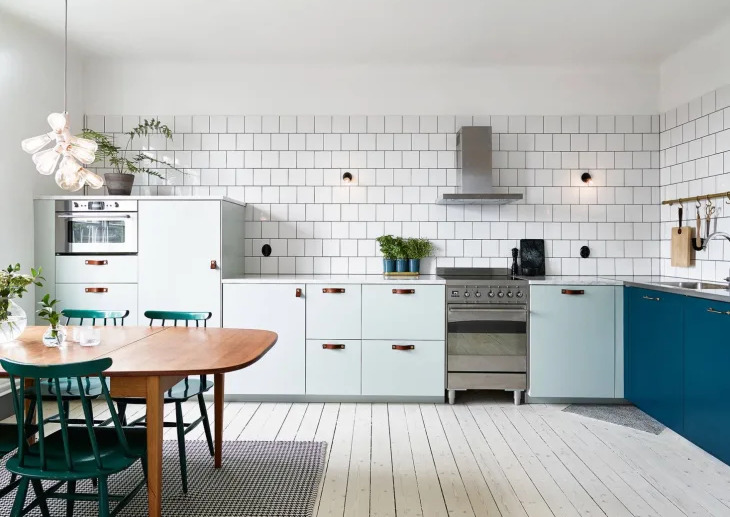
{"x": 418, "y": 249}
{"x": 55, "y": 335}
{"x": 125, "y": 166}
{"x": 13, "y": 284}
{"x": 388, "y": 249}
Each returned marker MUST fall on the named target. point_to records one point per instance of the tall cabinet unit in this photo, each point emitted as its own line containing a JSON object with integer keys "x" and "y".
{"x": 183, "y": 255}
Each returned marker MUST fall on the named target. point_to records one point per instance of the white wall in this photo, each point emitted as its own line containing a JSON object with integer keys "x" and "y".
{"x": 697, "y": 69}
{"x": 31, "y": 86}
{"x": 230, "y": 88}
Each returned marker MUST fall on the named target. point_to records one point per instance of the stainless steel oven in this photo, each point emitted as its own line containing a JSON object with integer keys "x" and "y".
{"x": 487, "y": 328}
{"x": 96, "y": 226}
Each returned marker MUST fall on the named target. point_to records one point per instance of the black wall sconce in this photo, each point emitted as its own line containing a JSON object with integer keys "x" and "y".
{"x": 347, "y": 177}
{"x": 586, "y": 178}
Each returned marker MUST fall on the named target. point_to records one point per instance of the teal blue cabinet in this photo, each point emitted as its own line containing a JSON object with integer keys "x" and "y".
{"x": 654, "y": 371}
{"x": 707, "y": 375}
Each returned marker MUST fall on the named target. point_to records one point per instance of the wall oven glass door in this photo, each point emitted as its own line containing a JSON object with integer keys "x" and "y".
{"x": 487, "y": 338}
{"x": 83, "y": 233}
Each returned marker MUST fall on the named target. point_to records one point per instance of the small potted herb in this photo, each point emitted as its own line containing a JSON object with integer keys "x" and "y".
{"x": 418, "y": 249}
{"x": 387, "y": 248}
{"x": 401, "y": 255}
{"x": 55, "y": 335}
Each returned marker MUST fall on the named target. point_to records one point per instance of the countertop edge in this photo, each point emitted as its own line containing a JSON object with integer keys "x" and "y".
{"x": 333, "y": 279}
{"x": 143, "y": 198}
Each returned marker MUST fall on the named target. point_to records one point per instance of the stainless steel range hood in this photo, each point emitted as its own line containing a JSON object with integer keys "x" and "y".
{"x": 474, "y": 158}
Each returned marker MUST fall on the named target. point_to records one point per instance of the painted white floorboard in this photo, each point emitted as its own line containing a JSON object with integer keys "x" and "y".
{"x": 382, "y": 495}
{"x": 407, "y": 500}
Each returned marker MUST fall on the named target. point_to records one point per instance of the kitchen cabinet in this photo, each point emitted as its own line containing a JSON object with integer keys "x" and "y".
{"x": 333, "y": 367}
{"x": 334, "y": 311}
{"x": 706, "y": 379}
{"x": 116, "y": 269}
{"x": 407, "y": 311}
{"x": 281, "y": 309}
{"x": 179, "y": 257}
{"x": 655, "y": 354}
{"x": 99, "y": 296}
{"x": 403, "y": 368}
{"x": 572, "y": 341}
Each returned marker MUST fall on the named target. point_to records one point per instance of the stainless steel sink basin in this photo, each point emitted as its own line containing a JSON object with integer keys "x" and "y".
{"x": 694, "y": 285}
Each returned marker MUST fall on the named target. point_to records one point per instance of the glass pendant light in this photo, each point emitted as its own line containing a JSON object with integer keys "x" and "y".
{"x": 69, "y": 150}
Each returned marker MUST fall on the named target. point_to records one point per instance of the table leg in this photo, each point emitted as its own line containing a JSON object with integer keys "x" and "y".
{"x": 219, "y": 390}
{"x": 155, "y": 415}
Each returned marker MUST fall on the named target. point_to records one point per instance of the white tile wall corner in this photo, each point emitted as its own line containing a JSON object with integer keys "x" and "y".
{"x": 695, "y": 161}
{"x": 289, "y": 170}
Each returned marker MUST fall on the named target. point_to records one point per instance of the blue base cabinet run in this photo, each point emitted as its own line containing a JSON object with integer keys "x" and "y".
{"x": 654, "y": 349}
{"x": 707, "y": 376}
{"x": 677, "y": 364}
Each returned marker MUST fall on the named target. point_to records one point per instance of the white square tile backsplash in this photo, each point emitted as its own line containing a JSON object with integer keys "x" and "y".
{"x": 289, "y": 171}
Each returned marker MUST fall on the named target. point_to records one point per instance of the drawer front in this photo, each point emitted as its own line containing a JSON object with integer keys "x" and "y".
{"x": 333, "y": 367}
{"x": 404, "y": 371}
{"x": 120, "y": 297}
{"x": 333, "y": 311}
{"x": 117, "y": 269}
{"x": 403, "y": 312}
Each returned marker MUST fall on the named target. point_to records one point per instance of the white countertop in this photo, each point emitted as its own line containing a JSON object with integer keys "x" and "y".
{"x": 573, "y": 280}
{"x": 143, "y": 198}
{"x": 333, "y": 279}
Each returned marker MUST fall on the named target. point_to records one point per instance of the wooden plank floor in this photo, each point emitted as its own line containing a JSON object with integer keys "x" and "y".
{"x": 487, "y": 457}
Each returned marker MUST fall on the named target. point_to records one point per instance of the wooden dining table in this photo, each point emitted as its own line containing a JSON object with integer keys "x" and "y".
{"x": 147, "y": 361}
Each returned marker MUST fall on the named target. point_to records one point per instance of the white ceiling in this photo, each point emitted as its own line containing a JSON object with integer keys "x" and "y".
{"x": 476, "y": 32}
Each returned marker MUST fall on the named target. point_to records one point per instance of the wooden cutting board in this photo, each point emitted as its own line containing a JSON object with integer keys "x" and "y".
{"x": 681, "y": 247}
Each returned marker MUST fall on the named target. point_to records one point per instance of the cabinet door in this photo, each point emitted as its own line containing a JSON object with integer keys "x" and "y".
{"x": 274, "y": 307}
{"x": 333, "y": 367}
{"x": 177, "y": 242}
{"x": 333, "y": 311}
{"x": 572, "y": 341}
{"x": 654, "y": 354}
{"x": 706, "y": 379}
{"x": 109, "y": 297}
{"x": 403, "y": 368}
{"x": 407, "y": 311}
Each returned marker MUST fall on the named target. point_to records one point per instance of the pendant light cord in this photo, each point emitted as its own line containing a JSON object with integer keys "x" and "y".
{"x": 65, "y": 59}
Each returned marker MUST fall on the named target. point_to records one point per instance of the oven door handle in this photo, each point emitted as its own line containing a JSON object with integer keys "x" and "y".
{"x": 461, "y": 314}
{"x": 93, "y": 217}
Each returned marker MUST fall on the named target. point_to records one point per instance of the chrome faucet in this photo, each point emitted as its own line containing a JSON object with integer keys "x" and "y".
{"x": 707, "y": 243}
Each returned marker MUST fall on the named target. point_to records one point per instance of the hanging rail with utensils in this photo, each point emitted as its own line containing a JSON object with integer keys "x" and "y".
{"x": 706, "y": 197}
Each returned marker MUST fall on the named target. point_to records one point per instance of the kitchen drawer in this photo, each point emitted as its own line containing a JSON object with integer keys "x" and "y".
{"x": 120, "y": 297}
{"x": 116, "y": 269}
{"x": 333, "y": 367}
{"x": 408, "y": 311}
{"x": 417, "y": 371}
{"x": 333, "y": 311}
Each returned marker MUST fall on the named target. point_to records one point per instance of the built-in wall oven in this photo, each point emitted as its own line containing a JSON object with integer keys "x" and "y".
{"x": 487, "y": 327}
{"x": 96, "y": 226}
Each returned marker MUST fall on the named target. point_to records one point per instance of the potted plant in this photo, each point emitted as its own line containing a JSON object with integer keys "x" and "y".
{"x": 387, "y": 248}
{"x": 55, "y": 335}
{"x": 13, "y": 284}
{"x": 401, "y": 255}
{"x": 418, "y": 249}
{"x": 120, "y": 182}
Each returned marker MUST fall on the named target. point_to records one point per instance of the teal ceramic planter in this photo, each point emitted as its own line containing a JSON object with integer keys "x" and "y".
{"x": 388, "y": 265}
{"x": 414, "y": 265}
{"x": 401, "y": 265}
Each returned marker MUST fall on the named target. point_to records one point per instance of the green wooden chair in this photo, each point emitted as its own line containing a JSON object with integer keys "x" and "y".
{"x": 73, "y": 453}
{"x": 181, "y": 392}
{"x": 69, "y": 389}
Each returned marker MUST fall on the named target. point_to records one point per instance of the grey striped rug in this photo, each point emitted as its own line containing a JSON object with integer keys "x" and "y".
{"x": 258, "y": 479}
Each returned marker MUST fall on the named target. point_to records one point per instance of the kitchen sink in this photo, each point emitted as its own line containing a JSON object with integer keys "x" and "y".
{"x": 694, "y": 285}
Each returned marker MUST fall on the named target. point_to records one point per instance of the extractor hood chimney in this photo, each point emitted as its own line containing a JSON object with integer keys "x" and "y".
{"x": 474, "y": 158}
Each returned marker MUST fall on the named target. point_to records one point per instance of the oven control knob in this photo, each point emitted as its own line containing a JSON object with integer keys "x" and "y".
{"x": 490, "y": 294}
{"x": 76, "y": 205}
{"x": 116, "y": 204}
{"x": 467, "y": 294}
{"x": 500, "y": 294}
{"x": 520, "y": 294}
{"x": 478, "y": 294}
{"x": 510, "y": 294}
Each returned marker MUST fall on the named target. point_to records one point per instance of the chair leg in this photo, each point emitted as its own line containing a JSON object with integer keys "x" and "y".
{"x": 13, "y": 477}
{"x": 66, "y": 408}
{"x": 206, "y": 423}
{"x": 41, "y": 496}
{"x": 31, "y": 413}
{"x": 180, "y": 424}
{"x": 103, "y": 498}
{"x": 17, "y": 510}
{"x": 122, "y": 411}
{"x": 70, "y": 502}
